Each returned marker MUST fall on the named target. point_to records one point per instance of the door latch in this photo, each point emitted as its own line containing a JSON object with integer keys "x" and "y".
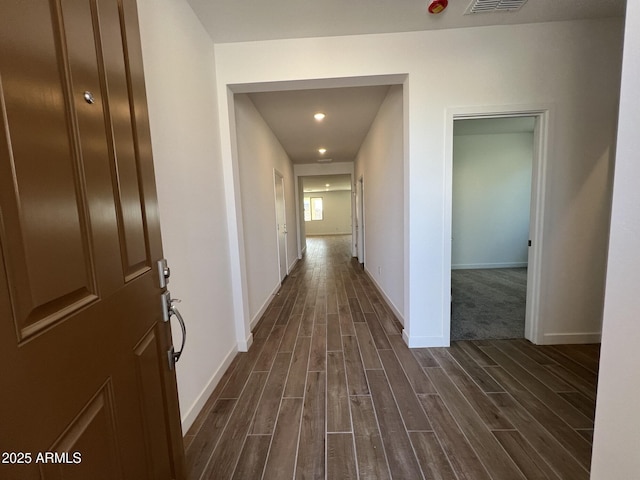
{"x": 169, "y": 310}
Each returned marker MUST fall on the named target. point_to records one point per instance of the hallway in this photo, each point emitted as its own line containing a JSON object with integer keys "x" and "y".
{"x": 330, "y": 390}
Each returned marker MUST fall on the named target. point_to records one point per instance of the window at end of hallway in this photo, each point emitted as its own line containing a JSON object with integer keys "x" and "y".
{"x": 313, "y": 208}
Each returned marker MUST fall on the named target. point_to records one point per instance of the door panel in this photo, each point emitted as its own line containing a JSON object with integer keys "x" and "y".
{"x": 84, "y": 345}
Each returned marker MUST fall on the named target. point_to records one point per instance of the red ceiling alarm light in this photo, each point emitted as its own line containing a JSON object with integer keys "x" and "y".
{"x": 437, "y": 6}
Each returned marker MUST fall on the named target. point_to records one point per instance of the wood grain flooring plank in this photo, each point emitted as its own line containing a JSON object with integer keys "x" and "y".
{"x": 532, "y": 352}
{"x": 356, "y": 379}
{"x": 301, "y": 299}
{"x": 544, "y": 394}
{"x": 475, "y": 371}
{"x": 267, "y": 410}
{"x": 475, "y": 353}
{"x": 187, "y": 441}
{"x": 544, "y": 443}
{"x": 341, "y": 460}
{"x": 332, "y": 300}
{"x": 463, "y": 459}
{"x": 587, "y": 433}
{"x": 321, "y": 307}
{"x": 263, "y": 329}
{"x": 270, "y": 349}
{"x": 419, "y": 381}
{"x": 318, "y": 356}
{"x": 368, "y": 350}
{"x": 481, "y": 403}
{"x": 213, "y": 398}
{"x": 252, "y": 458}
{"x": 334, "y": 335}
{"x": 338, "y": 416}
{"x": 579, "y": 355}
{"x": 226, "y": 454}
{"x": 580, "y": 384}
{"x": 403, "y": 464}
{"x": 281, "y": 460}
{"x": 365, "y": 303}
{"x": 372, "y": 462}
{"x": 377, "y": 332}
{"x": 433, "y": 461}
{"x": 584, "y": 373}
{"x": 287, "y": 308}
{"x": 203, "y": 444}
{"x": 424, "y": 357}
{"x": 243, "y": 369}
{"x": 582, "y": 403}
{"x": 346, "y": 320}
{"x": 535, "y": 369}
{"x": 290, "y": 334}
{"x": 525, "y": 456}
{"x": 298, "y": 369}
{"x": 408, "y": 404}
{"x": 306, "y": 324}
{"x": 386, "y": 319}
{"x": 545, "y": 416}
{"x": 487, "y": 448}
{"x": 311, "y": 448}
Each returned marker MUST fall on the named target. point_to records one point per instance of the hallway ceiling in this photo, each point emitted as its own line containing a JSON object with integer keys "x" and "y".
{"x": 248, "y": 20}
{"x": 349, "y": 112}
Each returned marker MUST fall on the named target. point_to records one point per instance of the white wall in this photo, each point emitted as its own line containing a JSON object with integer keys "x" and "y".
{"x": 336, "y": 218}
{"x": 179, "y": 69}
{"x": 569, "y": 68}
{"x": 617, "y": 425}
{"x": 381, "y": 162}
{"x": 491, "y": 200}
{"x": 259, "y": 152}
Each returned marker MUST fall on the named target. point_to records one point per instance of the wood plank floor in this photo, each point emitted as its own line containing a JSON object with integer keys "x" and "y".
{"x": 330, "y": 391}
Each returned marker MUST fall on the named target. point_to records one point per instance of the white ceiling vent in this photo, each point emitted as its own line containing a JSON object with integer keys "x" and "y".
{"x": 484, "y": 6}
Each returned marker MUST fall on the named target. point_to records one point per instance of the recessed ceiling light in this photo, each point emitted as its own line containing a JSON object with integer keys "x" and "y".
{"x": 327, "y": 185}
{"x": 319, "y": 116}
{"x": 322, "y": 151}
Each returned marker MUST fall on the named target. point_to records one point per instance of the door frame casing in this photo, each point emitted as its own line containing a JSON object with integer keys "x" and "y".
{"x": 277, "y": 176}
{"x": 360, "y": 219}
{"x": 543, "y": 113}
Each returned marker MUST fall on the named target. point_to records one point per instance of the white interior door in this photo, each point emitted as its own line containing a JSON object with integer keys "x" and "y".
{"x": 281, "y": 224}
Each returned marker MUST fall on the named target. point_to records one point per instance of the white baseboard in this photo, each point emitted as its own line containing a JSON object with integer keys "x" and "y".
{"x": 424, "y": 342}
{"x": 292, "y": 266}
{"x": 245, "y": 345}
{"x": 391, "y": 305}
{"x": 478, "y": 266}
{"x": 571, "y": 338}
{"x": 263, "y": 308}
{"x": 302, "y": 252}
{"x": 196, "y": 407}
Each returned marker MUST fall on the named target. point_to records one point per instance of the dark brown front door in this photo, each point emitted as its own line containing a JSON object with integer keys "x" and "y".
{"x": 85, "y": 387}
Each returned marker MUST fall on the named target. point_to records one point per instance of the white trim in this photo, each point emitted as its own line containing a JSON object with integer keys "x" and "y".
{"x": 571, "y": 338}
{"x": 478, "y": 266}
{"x": 277, "y": 175}
{"x": 388, "y": 301}
{"x": 245, "y": 345}
{"x": 263, "y": 308}
{"x": 534, "y": 327}
{"x": 292, "y": 266}
{"x": 424, "y": 342}
{"x": 196, "y": 407}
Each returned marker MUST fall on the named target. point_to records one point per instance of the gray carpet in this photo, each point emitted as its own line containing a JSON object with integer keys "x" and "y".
{"x": 488, "y": 304}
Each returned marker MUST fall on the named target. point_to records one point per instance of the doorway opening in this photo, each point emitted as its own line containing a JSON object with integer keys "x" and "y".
{"x": 496, "y": 212}
{"x": 326, "y": 205}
